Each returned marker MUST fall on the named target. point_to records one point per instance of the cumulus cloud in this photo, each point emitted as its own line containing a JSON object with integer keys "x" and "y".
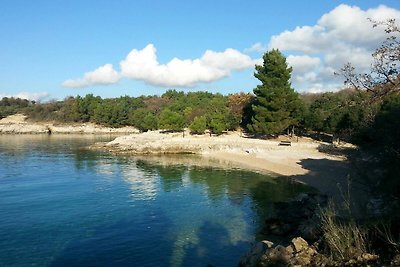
{"x": 143, "y": 65}
{"x": 101, "y": 76}
{"x": 342, "y": 35}
{"x": 39, "y": 96}
{"x": 304, "y": 63}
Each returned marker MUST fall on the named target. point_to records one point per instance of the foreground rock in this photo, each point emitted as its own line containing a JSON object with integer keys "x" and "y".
{"x": 18, "y": 124}
{"x": 297, "y": 253}
{"x": 297, "y": 223}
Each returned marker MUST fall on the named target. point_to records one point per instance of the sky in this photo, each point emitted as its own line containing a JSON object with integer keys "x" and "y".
{"x": 54, "y": 49}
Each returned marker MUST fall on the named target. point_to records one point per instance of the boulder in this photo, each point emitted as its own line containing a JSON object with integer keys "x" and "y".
{"x": 276, "y": 255}
{"x": 299, "y": 244}
{"x": 298, "y": 253}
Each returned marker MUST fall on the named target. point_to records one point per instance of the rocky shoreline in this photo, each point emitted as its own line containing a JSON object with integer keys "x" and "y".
{"x": 18, "y": 124}
{"x": 297, "y": 236}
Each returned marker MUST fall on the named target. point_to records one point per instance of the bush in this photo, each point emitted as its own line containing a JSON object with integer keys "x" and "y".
{"x": 199, "y": 125}
{"x": 171, "y": 120}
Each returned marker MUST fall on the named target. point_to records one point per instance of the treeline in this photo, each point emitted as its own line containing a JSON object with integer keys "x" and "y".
{"x": 343, "y": 114}
{"x": 11, "y": 105}
{"x": 171, "y": 111}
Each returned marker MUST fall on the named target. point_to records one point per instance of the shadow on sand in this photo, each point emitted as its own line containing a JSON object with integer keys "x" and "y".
{"x": 339, "y": 179}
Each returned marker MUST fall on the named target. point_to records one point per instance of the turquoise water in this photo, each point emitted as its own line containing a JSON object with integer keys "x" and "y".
{"x": 63, "y": 205}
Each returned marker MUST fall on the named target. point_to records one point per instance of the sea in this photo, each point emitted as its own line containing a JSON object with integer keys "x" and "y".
{"x": 62, "y": 204}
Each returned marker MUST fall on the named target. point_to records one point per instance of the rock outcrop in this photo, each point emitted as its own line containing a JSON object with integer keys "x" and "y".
{"x": 18, "y": 124}
{"x": 298, "y": 221}
{"x": 298, "y": 253}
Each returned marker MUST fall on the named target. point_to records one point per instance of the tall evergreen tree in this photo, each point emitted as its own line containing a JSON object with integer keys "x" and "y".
{"x": 276, "y": 102}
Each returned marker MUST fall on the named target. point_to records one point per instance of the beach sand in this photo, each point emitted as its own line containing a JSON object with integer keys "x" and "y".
{"x": 318, "y": 164}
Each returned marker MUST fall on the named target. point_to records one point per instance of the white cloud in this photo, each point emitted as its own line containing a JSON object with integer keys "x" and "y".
{"x": 315, "y": 51}
{"x": 143, "y": 65}
{"x": 339, "y": 36}
{"x": 304, "y": 63}
{"x": 320, "y": 88}
{"x": 101, "y": 76}
{"x": 39, "y": 96}
{"x": 257, "y": 47}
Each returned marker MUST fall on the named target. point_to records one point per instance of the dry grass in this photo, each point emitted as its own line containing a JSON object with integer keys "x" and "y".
{"x": 386, "y": 233}
{"x": 344, "y": 240}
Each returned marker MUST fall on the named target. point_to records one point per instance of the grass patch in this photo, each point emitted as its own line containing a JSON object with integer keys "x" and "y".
{"x": 344, "y": 240}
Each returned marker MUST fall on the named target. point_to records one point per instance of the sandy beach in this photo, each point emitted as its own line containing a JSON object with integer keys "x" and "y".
{"x": 318, "y": 164}
{"x": 258, "y": 154}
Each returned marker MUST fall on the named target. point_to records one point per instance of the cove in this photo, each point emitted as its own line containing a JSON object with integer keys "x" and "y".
{"x": 64, "y": 205}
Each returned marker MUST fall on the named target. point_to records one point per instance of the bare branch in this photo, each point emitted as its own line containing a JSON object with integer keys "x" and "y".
{"x": 384, "y": 76}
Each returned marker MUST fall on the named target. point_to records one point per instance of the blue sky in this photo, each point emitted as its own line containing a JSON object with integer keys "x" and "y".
{"x": 47, "y": 46}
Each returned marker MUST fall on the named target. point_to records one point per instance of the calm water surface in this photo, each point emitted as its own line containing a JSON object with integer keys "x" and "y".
{"x": 63, "y": 205}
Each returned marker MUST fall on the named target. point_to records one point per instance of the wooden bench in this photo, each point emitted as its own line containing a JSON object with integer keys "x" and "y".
{"x": 285, "y": 143}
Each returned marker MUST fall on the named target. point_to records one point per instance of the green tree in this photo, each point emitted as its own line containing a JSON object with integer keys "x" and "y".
{"x": 217, "y": 123}
{"x": 276, "y": 102}
{"x": 103, "y": 113}
{"x": 150, "y": 122}
{"x": 199, "y": 125}
{"x": 171, "y": 120}
{"x": 218, "y": 114}
{"x": 9, "y": 106}
{"x": 143, "y": 120}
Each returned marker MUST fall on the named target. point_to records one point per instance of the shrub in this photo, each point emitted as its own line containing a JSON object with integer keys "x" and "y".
{"x": 199, "y": 125}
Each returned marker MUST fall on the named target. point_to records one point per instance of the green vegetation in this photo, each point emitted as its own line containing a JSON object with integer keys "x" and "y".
{"x": 276, "y": 102}
{"x": 199, "y": 125}
{"x": 171, "y": 120}
{"x": 171, "y": 111}
{"x": 9, "y": 106}
{"x": 344, "y": 240}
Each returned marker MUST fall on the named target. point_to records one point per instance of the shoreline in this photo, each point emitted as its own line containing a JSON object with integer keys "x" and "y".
{"x": 18, "y": 124}
{"x": 317, "y": 164}
{"x": 262, "y": 155}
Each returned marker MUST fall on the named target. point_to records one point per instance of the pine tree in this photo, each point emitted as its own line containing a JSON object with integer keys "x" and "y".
{"x": 276, "y": 102}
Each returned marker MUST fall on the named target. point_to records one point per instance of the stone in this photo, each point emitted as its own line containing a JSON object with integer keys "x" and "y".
{"x": 278, "y": 254}
{"x": 299, "y": 244}
{"x": 311, "y": 251}
{"x": 370, "y": 257}
{"x": 268, "y": 243}
{"x": 302, "y": 259}
{"x": 290, "y": 249}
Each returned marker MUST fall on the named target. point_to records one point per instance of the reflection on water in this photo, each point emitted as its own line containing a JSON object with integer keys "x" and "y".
{"x": 64, "y": 205}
